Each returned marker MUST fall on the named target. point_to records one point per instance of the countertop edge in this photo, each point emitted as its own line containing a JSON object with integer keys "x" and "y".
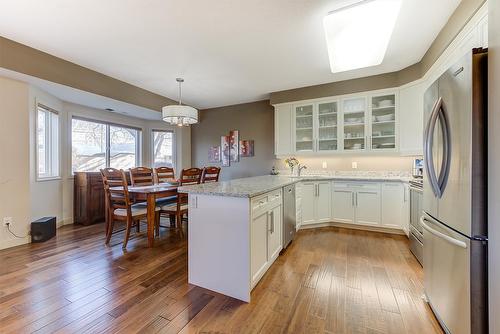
{"x": 186, "y": 190}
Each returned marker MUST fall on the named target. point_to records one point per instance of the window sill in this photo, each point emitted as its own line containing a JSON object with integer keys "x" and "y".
{"x": 49, "y": 178}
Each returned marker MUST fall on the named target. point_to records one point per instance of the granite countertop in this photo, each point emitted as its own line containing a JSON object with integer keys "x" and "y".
{"x": 258, "y": 185}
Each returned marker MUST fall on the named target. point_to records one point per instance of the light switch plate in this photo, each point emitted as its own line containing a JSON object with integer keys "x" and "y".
{"x": 324, "y": 165}
{"x": 354, "y": 165}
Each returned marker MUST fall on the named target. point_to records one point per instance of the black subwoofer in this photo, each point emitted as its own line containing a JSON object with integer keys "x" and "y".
{"x": 43, "y": 229}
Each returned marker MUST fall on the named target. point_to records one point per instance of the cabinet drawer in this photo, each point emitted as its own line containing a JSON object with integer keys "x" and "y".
{"x": 259, "y": 202}
{"x": 274, "y": 198}
{"x": 354, "y": 185}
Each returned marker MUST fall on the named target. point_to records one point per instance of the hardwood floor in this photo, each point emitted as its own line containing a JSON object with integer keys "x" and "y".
{"x": 330, "y": 280}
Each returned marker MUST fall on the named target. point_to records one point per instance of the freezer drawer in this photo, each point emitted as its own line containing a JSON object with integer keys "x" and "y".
{"x": 447, "y": 275}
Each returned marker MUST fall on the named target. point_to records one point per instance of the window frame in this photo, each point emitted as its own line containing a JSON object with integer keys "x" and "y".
{"x": 108, "y": 125}
{"x": 52, "y": 160}
{"x": 174, "y": 146}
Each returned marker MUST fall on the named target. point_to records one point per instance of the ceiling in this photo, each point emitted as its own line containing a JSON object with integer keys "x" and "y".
{"x": 228, "y": 51}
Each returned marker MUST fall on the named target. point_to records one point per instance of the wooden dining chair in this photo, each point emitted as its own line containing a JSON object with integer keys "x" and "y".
{"x": 164, "y": 174}
{"x": 210, "y": 174}
{"x": 141, "y": 176}
{"x": 190, "y": 176}
{"x": 119, "y": 204}
{"x": 180, "y": 207}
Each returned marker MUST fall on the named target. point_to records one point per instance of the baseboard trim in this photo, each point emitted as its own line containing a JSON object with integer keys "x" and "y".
{"x": 355, "y": 227}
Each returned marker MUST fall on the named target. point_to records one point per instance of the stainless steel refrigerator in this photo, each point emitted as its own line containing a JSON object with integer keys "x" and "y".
{"x": 454, "y": 216}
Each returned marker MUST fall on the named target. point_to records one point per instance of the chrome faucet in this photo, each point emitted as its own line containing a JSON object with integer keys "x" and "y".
{"x": 300, "y": 169}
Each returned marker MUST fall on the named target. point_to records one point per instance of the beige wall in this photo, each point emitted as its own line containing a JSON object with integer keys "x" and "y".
{"x": 14, "y": 166}
{"x": 494, "y": 165}
{"x": 253, "y": 120}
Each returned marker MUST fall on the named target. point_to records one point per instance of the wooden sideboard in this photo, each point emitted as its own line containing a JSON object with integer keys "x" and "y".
{"x": 88, "y": 200}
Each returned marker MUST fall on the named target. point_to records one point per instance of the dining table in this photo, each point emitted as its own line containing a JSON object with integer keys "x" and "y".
{"x": 151, "y": 194}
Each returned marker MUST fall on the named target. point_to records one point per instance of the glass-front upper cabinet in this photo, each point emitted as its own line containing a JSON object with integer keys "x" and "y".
{"x": 327, "y": 126}
{"x": 383, "y": 122}
{"x": 304, "y": 134}
{"x": 354, "y": 112}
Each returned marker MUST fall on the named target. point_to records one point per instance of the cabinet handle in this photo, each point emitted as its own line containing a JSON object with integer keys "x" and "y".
{"x": 196, "y": 202}
{"x": 352, "y": 199}
{"x": 404, "y": 195}
{"x": 356, "y": 199}
{"x": 271, "y": 216}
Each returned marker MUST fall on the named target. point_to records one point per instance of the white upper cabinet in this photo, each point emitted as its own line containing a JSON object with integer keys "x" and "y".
{"x": 304, "y": 128}
{"x": 327, "y": 124}
{"x": 411, "y": 108}
{"x": 283, "y": 129}
{"x": 356, "y": 123}
{"x": 383, "y": 120}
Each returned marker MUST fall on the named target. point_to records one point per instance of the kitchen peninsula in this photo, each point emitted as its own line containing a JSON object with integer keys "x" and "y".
{"x": 236, "y": 227}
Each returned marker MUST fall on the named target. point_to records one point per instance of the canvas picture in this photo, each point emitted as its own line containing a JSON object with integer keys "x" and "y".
{"x": 225, "y": 143}
{"x": 214, "y": 154}
{"x": 246, "y": 148}
{"x": 234, "y": 145}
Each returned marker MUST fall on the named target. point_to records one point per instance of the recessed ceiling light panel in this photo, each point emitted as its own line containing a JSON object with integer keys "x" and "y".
{"x": 357, "y": 36}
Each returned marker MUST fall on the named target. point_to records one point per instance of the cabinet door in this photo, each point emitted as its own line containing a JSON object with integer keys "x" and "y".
{"x": 367, "y": 204}
{"x": 308, "y": 198}
{"x": 323, "y": 202}
{"x": 354, "y": 124}
{"x": 411, "y": 120}
{"x": 383, "y": 123}
{"x": 343, "y": 205}
{"x": 275, "y": 233}
{"x": 327, "y": 123}
{"x": 393, "y": 205}
{"x": 259, "y": 245}
{"x": 304, "y": 124}
{"x": 283, "y": 129}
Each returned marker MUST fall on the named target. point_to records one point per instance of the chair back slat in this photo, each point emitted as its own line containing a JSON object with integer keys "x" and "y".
{"x": 141, "y": 176}
{"x": 164, "y": 174}
{"x": 210, "y": 174}
{"x": 116, "y": 188}
{"x": 190, "y": 176}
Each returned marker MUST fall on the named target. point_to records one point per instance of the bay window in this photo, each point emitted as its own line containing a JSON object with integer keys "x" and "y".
{"x": 96, "y": 145}
{"x": 163, "y": 148}
{"x": 47, "y": 142}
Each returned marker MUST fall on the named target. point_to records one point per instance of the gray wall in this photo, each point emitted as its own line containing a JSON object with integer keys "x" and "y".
{"x": 254, "y": 121}
{"x": 494, "y": 164}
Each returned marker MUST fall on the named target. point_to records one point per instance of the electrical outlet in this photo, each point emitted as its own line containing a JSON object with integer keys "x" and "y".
{"x": 324, "y": 165}
{"x": 354, "y": 165}
{"x": 7, "y": 221}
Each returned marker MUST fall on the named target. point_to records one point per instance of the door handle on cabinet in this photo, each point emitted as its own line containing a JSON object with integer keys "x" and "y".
{"x": 352, "y": 199}
{"x": 356, "y": 199}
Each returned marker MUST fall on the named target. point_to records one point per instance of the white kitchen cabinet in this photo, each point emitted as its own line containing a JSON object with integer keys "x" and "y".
{"x": 383, "y": 133}
{"x": 343, "y": 205}
{"x": 411, "y": 108}
{"x": 367, "y": 206}
{"x": 354, "y": 124}
{"x": 283, "y": 129}
{"x": 308, "y": 202}
{"x": 316, "y": 201}
{"x": 275, "y": 226}
{"x": 393, "y": 204}
{"x": 265, "y": 233}
{"x": 304, "y": 132}
{"x": 258, "y": 244}
{"x": 323, "y": 201}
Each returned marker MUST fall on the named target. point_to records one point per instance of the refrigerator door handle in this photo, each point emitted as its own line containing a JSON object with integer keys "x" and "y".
{"x": 445, "y": 169}
{"x": 428, "y": 143}
{"x": 441, "y": 235}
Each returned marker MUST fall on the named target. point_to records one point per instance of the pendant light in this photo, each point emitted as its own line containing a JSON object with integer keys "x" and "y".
{"x": 178, "y": 114}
